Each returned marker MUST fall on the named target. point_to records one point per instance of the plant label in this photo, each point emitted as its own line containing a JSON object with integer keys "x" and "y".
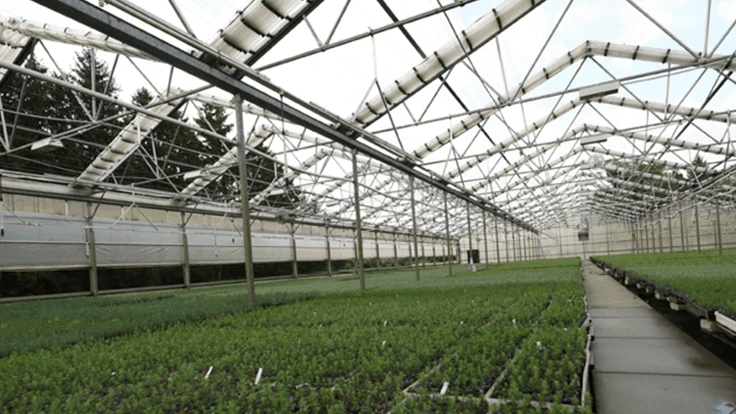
{"x": 258, "y": 375}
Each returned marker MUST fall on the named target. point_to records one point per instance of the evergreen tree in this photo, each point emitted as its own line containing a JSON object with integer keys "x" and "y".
{"x": 176, "y": 150}
{"x": 82, "y": 150}
{"x": 261, "y": 171}
{"x": 32, "y": 112}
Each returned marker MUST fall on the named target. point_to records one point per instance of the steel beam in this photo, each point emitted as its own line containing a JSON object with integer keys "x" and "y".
{"x": 358, "y": 224}
{"x": 697, "y": 228}
{"x": 185, "y": 253}
{"x": 94, "y": 286}
{"x": 244, "y": 202}
{"x": 414, "y": 227}
{"x": 447, "y": 234}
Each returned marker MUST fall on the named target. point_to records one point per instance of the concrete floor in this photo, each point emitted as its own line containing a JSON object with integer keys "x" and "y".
{"x": 644, "y": 364}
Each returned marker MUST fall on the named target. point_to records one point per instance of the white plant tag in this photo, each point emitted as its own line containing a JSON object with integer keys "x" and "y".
{"x": 258, "y": 376}
{"x": 444, "y": 388}
{"x": 385, "y": 323}
{"x": 383, "y": 343}
{"x": 209, "y": 371}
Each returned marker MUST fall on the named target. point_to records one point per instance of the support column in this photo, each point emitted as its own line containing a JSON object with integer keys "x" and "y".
{"x": 718, "y": 228}
{"x": 513, "y": 242}
{"x": 329, "y": 252}
{"x": 358, "y": 223}
{"x": 669, "y": 225}
{"x": 355, "y": 252}
{"x": 697, "y": 228}
{"x": 424, "y": 255}
{"x": 506, "y": 239}
{"x": 94, "y": 286}
{"x": 661, "y": 241}
{"x": 185, "y": 253}
{"x": 244, "y": 202}
{"x": 471, "y": 262}
{"x": 608, "y": 238}
{"x": 396, "y": 254}
{"x": 458, "y": 250}
{"x": 634, "y": 237}
{"x": 485, "y": 239}
{"x": 447, "y": 234}
{"x": 559, "y": 239}
{"x": 414, "y": 227}
{"x": 683, "y": 239}
{"x": 294, "y": 258}
{"x": 654, "y": 244}
{"x": 378, "y": 252}
{"x": 498, "y": 249}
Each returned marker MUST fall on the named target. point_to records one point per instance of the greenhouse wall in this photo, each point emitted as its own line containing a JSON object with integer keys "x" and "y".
{"x": 616, "y": 236}
{"x": 42, "y": 235}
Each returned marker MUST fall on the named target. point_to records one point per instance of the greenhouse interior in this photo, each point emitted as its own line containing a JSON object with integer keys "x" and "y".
{"x": 342, "y": 206}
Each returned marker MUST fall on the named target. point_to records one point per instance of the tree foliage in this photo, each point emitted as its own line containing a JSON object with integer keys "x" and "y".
{"x": 35, "y": 109}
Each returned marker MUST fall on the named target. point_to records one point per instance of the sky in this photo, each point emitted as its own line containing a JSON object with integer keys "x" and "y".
{"x": 339, "y": 79}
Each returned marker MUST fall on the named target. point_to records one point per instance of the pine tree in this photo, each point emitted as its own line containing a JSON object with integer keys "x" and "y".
{"x": 81, "y": 150}
{"x": 31, "y": 109}
{"x": 262, "y": 171}
{"x": 177, "y": 150}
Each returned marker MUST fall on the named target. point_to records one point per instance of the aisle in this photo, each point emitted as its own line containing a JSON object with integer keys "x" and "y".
{"x": 644, "y": 364}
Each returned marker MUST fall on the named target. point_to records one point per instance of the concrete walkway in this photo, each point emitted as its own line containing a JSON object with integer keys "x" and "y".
{"x": 644, "y": 364}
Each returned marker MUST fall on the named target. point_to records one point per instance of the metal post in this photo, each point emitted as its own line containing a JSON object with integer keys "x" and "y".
{"x": 498, "y": 249}
{"x": 654, "y": 244}
{"x": 718, "y": 228}
{"x": 396, "y": 254}
{"x": 94, "y": 286}
{"x": 471, "y": 262}
{"x": 659, "y": 224}
{"x": 414, "y": 226}
{"x": 669, "y": 225}
{"x": 633, "y": 236}
{"x": 244, "y": 202}
{"x": 559, "y": 238}
{"x": 522, "y": 246}
{"x": 513, "y": 242}
{"x": 294, "y": 258}
{"x": 485, "y": 239}
{"x": 434, "y": 252}
{"x": 447, "y": 234}
{"x": 697, "y": 228}
{"x": 329, "y": 253}
{"x": 608, "y": 238}
{"x": 683, "y": 239}
{"x": 424, "y": 255}
{"x": 506, "y": 239}
{"x": 378, "y": 253}
{"x": 185, "y": 253}
{"x": 459, "y": 250}
{"x": 358, "y": 223}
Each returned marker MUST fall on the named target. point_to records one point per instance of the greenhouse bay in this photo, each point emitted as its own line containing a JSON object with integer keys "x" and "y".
{"x": 367, "y": 206}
